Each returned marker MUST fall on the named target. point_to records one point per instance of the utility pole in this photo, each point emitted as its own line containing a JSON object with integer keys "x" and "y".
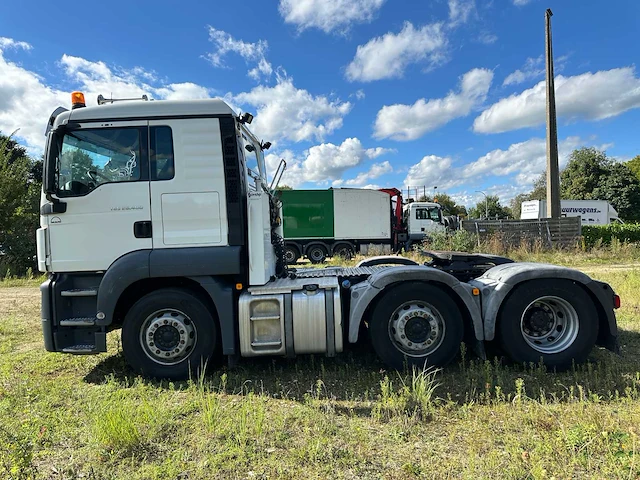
{"x": 553, "y": 171}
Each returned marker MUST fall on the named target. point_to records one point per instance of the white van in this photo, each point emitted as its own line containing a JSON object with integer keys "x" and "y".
{"x": 592, "y": 212}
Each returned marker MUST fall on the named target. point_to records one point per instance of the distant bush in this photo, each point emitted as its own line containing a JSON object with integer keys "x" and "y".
{"x": 604, "y": 234}
{"x": 458, "y": 241}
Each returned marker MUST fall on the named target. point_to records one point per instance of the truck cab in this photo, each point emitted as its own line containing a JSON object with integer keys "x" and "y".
{"x": 157, "y": 220}
{"x": 423, "y": 218}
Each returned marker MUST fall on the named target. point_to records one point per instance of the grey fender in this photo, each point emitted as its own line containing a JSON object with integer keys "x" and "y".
{"x": 496, "y": 284}
{"x": 362, "y": 294}
{"x": 205, "y": 265}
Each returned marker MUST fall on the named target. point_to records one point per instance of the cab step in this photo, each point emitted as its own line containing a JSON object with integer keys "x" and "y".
{"x": 78, "y": 322}
{"x": 80, "y": 292}
{"x": 80, "y": 349}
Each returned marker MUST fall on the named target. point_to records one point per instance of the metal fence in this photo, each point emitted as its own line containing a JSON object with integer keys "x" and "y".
{"x": 550, "y": 232}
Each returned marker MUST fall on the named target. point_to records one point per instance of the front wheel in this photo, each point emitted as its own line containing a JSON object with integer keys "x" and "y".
{"x": 418, "y": 323}
{"x": 550, "y": 320}
{"x": 169, "y": 333}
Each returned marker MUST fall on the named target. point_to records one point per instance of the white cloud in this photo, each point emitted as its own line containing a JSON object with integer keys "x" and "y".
{"x": 328, "y": 162}
{"x": 408, "y": 122}
{"x": 251, "y": 52}
{"x": 432, "y": 170}
{"x": 488, "y": 38}
{"x": 6, "y": 43}
{"x": 533, "y": 68}
{"x": 329, "y": 15}
{"x": 376, "y": 170}
{"x": 460, "y": 10}
{"x": 589, "y": 96}
{"x": 360, "y": 94}
{"x": 26, "y": 101}
{"x": 520, "y": 3}
{"x": 525, "y": 159}
{"x": 285, "y": 112}
{"x": 389, "y": 55}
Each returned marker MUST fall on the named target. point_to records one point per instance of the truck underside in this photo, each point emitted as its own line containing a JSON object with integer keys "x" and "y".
{"x": 413, "y": 313}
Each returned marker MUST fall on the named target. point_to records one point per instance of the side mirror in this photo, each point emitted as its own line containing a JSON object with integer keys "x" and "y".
{"x": 50, "y": 164}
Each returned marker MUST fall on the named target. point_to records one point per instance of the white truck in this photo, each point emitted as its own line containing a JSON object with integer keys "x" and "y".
{"x": 591, "y": 212}
{"x": 153, "y": 222}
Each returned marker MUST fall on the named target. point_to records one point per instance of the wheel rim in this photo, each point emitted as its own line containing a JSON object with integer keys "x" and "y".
{"x": 549, "y": 324}
{"x": 416, "y": 328}
{"x": 289, "y": 255}
{"x": 167, "y": 336}
{"x": 316, "y": 254}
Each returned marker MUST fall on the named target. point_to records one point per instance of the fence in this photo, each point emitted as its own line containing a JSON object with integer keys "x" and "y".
{"x": 551, "y": 232}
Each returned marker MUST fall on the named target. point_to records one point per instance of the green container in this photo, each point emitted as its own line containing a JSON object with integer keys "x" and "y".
{"x": 307, "y": 213}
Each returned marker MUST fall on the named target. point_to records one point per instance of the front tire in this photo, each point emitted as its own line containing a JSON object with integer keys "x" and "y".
{"x": 550, "y": 320}
{"x": 317, "y": 253}
{"x": 418, "y": 323}
{"x": 169, "y": 333}
{"x": 291, "y": 254}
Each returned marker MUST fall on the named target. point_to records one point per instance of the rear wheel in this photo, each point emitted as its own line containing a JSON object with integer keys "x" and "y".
{"x": 317, "y": 253}
{"x": 291, "y": 254}
{"x": 169, "y": 333}
{"x": 418, "y": 323}
{"x": 550, "y": 320}
{"x": 344, "y": 251}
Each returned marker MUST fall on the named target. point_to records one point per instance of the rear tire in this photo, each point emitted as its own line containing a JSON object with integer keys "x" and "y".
{"x": 551, "y": 320}
{"x": 317, "y": 253}
{"x": 291, "y": 254}
{"x": 344, "y": 251}
{"x": 169, "y": 333}
{"x": 417, "y": 323}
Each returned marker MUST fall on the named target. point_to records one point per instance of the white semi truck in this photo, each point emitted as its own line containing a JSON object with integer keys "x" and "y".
{"x": 156, "y": 219}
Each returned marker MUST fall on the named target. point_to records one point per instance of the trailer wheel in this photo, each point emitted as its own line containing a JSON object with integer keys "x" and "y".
{"x": 317, "y": 253}
{"x": 291, "y": 254}
{"x": 550, "y": 320}
{"x": 344, "y": 250}
{"x": 169, "y": 333}
{"x": 416, "y": 323}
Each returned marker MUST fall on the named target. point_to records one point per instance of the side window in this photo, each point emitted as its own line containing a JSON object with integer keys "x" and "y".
{"x": 91, "y": 157}
{"x": 161, "y": 153}
{"x": 422, "y": 214}
{"x": 434, "y": 214}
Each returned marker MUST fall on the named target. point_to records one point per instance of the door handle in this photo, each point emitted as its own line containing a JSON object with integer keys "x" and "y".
{"x": 142, "y": 229}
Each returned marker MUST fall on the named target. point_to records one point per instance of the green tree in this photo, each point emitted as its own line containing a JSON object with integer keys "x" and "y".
{"x": 634, "y": 165}
{"x": 284, "y": 187}
{"x": 492, "y": 206}
{"x": 19, "y": 201}
{"x": 585, "y": 171}
{"x": 515, "y": 205}
{"x": 621, "y": 188}
{"x": 449, "y": 205}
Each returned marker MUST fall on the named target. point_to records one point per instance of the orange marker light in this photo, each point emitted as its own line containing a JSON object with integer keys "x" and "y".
{"x": 77, "y": 100}
{"x": 238, "y": 286}
{"x": 476, "y": 292}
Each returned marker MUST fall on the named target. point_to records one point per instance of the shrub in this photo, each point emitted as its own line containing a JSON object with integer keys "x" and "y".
{"x": 604, "y": 234}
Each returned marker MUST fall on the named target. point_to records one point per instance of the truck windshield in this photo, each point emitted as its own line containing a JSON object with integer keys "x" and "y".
{"x": 91, "y": 157}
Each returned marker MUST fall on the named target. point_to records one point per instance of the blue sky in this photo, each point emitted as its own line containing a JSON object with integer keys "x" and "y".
{"x": 359, "y": 93}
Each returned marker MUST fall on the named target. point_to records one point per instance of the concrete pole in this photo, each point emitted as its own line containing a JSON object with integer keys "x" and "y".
{"x": 553, "y": 170}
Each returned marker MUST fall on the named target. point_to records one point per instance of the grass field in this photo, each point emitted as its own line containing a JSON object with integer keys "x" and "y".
{"x": 66, "y": 417}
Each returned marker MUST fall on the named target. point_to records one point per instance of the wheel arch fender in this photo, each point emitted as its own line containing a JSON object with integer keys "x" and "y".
{"x": 498, "y": 283}
{"x": 136, "y": 269}
{"x": 364, "y": 295}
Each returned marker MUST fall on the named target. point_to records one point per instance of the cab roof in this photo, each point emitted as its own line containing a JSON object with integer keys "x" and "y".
{"x": 140, "y": 109}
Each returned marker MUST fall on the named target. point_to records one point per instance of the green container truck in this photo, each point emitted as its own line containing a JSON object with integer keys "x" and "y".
{"x": 341, "y": 221}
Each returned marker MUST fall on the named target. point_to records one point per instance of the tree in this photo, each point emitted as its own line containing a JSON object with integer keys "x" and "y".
{"x": 621, "y": 188}
{"x": 585, "y": 171}
{"x": 449, "y": 205}
{"x": 634, "y": 165}
{"x": 515, "y": 205}
{"x": 284, "y": 187}
{"x": 19, "y": 201}
{"x": 492, "y": 206}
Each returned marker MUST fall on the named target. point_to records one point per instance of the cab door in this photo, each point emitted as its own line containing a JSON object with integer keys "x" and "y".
{"x": 103, "y": 182}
